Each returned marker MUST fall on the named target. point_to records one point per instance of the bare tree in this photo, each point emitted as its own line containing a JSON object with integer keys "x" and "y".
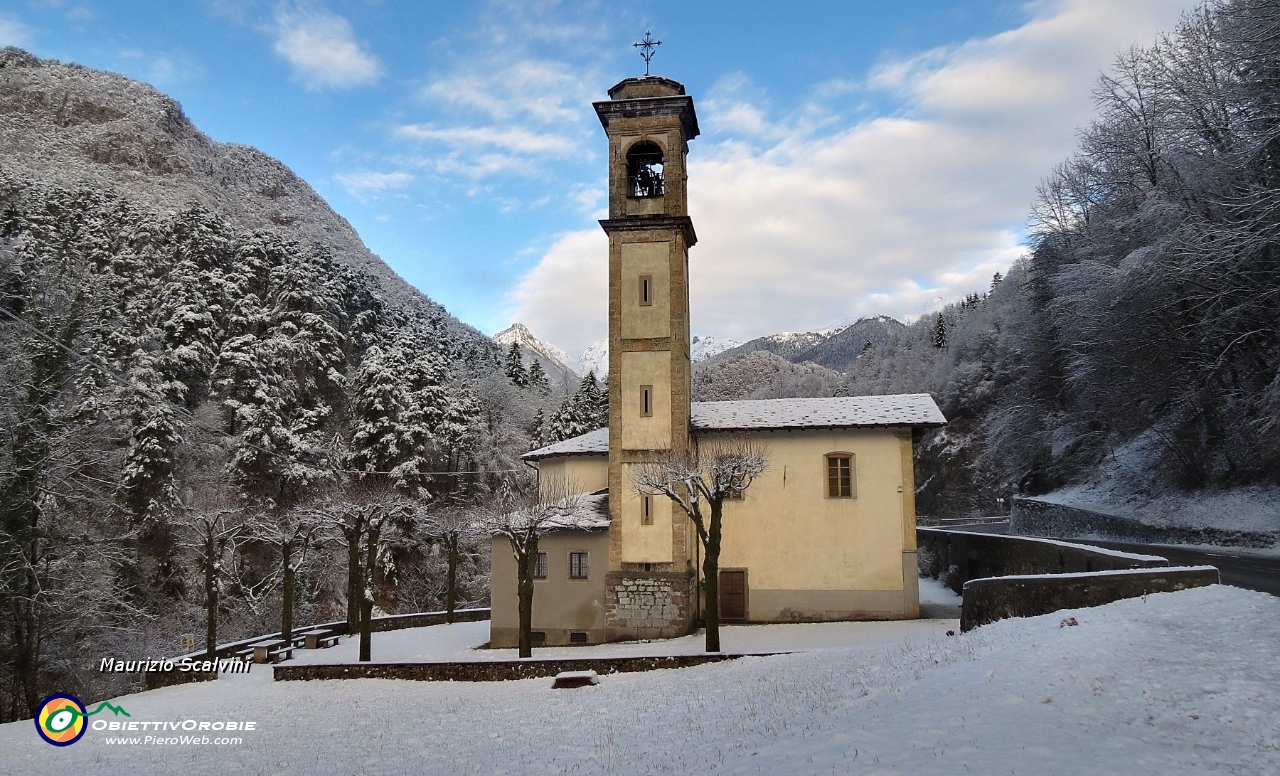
{"x": 452, "y": 526}
{"x": 215, "y": 526}
{"x": 698, "y": 480}
{"x": 363, "y": 519}
{"x": 293, "y": 532}
{"x": 522, "y": 511}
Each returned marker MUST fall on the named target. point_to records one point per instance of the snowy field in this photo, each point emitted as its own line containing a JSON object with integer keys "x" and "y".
{"x": 1176, "y": 683}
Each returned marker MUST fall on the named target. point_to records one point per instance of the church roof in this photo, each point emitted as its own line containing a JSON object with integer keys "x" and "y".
{"x": 591, "y": 443}
{"x": 590, "y": 513}
{"x": 909, "y": 409}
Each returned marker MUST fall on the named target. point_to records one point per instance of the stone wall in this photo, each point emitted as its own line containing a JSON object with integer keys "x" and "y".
{"x": 653, "y": 605}
{"x": 498, "y": 670}
{"x": 989, "y": 600}
{"x": 1033, "y": 517}
{"x": 959, "y": 556}
{"x": 154, "y": 679}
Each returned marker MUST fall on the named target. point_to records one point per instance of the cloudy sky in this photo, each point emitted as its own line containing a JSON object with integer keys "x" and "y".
{"x": 856, "y": 158}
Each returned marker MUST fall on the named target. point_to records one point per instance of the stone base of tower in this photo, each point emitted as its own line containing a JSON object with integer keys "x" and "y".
{"x": 648, "y": 604}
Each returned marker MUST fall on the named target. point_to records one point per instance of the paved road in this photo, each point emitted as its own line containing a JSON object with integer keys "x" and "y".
{"x": 1243, "y": 568}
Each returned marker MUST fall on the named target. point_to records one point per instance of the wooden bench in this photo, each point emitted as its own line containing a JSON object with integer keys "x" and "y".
{"x": 319, "y": 639}
{"x": 271, "y": 651}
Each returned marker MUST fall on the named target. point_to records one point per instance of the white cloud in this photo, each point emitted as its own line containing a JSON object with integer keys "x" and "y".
{"x": 528, "y": 90}
{"x": 321, "y": 48}
{"x": 366, "y": 185}
{"x": 516, "y": 139}
{"x": 13, "y": 32}
{"x": 894, "y": 214}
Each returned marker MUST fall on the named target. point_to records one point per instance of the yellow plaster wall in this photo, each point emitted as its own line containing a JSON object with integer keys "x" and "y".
{"x": 587, "y": 473}
{"x": 644, "y": 543}
{"x": 560, "y": 604}
{"x": 653, "y": 320}
{"x": 646, "y": 368}
{"x": 791, "y": 536}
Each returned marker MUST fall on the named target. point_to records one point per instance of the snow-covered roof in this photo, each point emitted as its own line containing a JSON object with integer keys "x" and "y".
{"x": 908, "y": 409}
{"x": 590, "y": 513}
{"x": 591, "y": 443}
{"x": 904, "y": 409}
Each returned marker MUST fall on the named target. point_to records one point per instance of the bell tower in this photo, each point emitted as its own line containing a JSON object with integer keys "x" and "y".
{"x": 649, "y": 122}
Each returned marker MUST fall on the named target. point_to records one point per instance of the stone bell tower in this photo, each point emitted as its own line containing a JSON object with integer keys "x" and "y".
{"x": 649, "y": 122}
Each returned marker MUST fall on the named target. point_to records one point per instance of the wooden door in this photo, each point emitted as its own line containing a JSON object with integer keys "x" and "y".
{"x": 733, "y": 595}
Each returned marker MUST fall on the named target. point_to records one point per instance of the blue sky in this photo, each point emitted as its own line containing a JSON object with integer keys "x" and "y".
{"x": 856, "y": 157}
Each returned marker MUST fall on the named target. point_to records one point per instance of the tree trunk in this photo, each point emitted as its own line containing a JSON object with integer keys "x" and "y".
{"x": 711, "y": 570}
{"x": 451, "y": 583}
{"x": 210, "y": 596}
{"x": 354, "y": 593}
{"x": 366, "y": 600}
{"x": 286, "y": 616}
{"x": 524, "y": 575}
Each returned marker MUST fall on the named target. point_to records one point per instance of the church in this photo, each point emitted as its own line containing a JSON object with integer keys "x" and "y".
{"x": 827, "y": 533}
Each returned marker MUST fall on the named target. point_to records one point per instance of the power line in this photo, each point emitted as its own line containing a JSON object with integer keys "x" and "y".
{"x": 191, "y": 418}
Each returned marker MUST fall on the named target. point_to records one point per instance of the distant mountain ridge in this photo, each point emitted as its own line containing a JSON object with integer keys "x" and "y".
{"x": 554, "y": 361}
{"x": 835, "y": 349}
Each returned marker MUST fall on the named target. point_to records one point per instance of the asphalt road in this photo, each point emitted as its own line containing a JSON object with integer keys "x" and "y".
{"x": 1251, "y": 569}
{"x": 1241, "y": 568}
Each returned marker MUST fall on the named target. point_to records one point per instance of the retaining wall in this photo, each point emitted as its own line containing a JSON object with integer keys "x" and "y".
{"x": 963, "y": 555}
{"x": 390, "y": 622}
{"x": 989, "y": 600}
{"x": 498, "y": 670}
{"x": 1033, "y": 517}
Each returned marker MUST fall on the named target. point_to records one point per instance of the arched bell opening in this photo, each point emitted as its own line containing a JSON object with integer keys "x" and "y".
{"x": 644, "y": 170}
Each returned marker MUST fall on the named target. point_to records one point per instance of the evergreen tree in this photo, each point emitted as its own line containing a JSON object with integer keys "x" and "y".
{"x": 538, "y": 377}
{"x": 514, "y": 368}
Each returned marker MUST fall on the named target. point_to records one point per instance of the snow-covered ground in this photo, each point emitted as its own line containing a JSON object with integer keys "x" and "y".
{"x": 1128, "y": 484}
{"x": 1174, "y": 683}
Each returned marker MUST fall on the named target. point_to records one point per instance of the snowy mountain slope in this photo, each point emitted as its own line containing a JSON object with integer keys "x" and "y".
{"x": 840, "y": 348}
{"x": 703, "y": 348}
{"x": 71, "y": 126}
{"x": 595, "y": 359}
{"x": 555, "y": 362}
{"x": 596, "y": 356}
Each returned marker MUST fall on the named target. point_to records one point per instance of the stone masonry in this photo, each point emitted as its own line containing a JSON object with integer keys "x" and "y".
{"x": 656, "y": 605}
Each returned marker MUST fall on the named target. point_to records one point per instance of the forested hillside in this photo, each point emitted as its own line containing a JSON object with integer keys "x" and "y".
{"x": 1144, "y": 319}
{"x": 214, "y": 397}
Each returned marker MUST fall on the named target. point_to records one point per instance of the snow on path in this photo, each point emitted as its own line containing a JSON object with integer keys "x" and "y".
{"x": 1176, "y": 683}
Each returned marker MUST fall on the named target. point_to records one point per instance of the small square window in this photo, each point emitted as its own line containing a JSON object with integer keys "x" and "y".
{"x": 840, "y": 475}
{"x": 646, "y": 510}
{"x": 577, "y": 565}
{"x": 538, "y": 637}
{"x": 646, "y": 401}
{"x": 540, "y": 566}
{"x": 646, "y": 290}
{"x": 577, "y": 637}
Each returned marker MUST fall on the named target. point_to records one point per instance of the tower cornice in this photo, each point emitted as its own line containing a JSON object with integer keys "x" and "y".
{"x": 652, "y": 223}
{"x": 680, "y": 106}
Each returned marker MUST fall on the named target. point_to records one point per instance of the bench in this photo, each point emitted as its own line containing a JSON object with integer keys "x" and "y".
{"x": 319, "y": 639}
{"x": 271, "y": 651}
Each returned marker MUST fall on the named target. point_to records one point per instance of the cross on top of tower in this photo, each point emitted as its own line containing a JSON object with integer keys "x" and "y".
{"x": 647, "y": 47}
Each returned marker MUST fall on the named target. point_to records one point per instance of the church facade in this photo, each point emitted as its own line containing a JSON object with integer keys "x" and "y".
{"x": 828, "y": 533}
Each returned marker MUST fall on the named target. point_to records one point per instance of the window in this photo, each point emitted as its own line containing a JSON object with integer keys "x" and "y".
{"x": 734, "y": 495}
{"x": 538, "y": 637}
{"x": 646, "y": 290}
{"x": 577, "y": 565}
{"x": 577, "y": 637}
{"x": 646, "y": 510}
{"x": 644, "y": 170}
{"x": 840, "y": 475}
{"x": 646, "y": 401}
{"x": 540, "y": 566}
